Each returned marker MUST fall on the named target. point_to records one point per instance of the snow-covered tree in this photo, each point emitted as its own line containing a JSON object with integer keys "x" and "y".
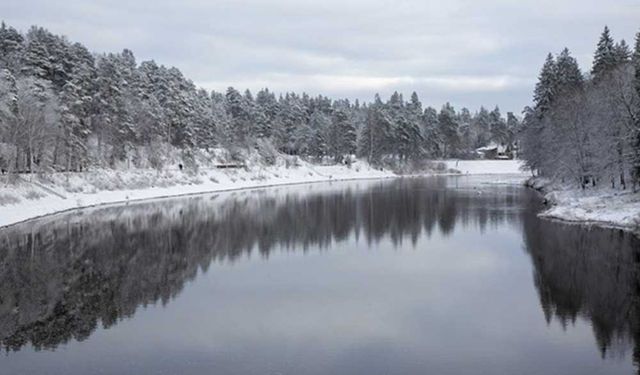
{"x": 431, "y": 132}
{"x": 604, "y": 58}
{"x": 568, "y": 76}
{"x": 342, "y": 133}
{"x": 11, "y": 48}
{"x": 546, "y": 87}
{"x": 448, "y": 127}
{"x": 482, "y": 127}
{"x": 498, "y": 127}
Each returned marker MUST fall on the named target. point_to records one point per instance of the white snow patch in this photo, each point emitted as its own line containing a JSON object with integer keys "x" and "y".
{"x": 487, "y": 167}
{"x": 604, "y": 207}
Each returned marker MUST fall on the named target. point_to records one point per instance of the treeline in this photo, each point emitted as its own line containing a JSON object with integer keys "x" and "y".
{"x": 65, "y": 108}
{"x": 585, "y": 128}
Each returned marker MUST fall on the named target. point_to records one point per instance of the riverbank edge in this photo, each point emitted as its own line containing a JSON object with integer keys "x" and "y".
{"x": 572, "y": 211}
{"x": 122, "y": 196}
{"x": 52, "y": 202}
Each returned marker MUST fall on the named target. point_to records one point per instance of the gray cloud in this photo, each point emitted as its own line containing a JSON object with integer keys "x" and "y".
{"x": 468, "y": 52}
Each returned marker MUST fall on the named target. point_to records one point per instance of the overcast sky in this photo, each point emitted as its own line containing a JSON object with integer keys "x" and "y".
{"x": 468, "y": 52}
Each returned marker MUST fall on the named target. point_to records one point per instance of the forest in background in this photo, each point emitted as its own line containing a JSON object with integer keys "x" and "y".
{"x": 584, "y": 129}
{"x": 64, "y": 108}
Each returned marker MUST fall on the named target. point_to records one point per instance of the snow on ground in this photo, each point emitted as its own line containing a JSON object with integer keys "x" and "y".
{"x": 60, "y": 192}
{"x": 487, "y": 167}
{"x": 604, "y": 207}
{"x": 33, "y": 197}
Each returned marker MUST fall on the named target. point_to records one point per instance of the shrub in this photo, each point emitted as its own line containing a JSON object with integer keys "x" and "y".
{"x": 267, "y": 151}
{"x": 6, "y": 199}
{"x": 33, "y": 195}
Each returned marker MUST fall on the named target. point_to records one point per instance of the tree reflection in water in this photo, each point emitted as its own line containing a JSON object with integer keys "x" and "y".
{"x": 62, "y": 277}
{"x": 588, "y": 273}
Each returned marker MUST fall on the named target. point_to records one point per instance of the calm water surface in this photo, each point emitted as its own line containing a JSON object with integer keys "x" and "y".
{"x": 412, "y": 276}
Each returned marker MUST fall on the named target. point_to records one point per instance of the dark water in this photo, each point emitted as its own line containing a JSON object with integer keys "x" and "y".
{"x": 413, "y": 276}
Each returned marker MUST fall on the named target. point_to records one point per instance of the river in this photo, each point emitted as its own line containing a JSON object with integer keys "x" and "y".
{"x": 442, "y": 275}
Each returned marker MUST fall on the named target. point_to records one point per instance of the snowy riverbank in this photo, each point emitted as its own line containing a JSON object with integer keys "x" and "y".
{"x": 487, "y": 167}
{"x": 61, "y": 192}
{"x": 55, "y": 193}
{"x": 603, "y": 207}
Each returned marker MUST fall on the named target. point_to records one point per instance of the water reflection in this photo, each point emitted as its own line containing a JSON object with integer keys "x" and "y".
{"x": 62, "y": 278}
{"x": 591, "y": 274}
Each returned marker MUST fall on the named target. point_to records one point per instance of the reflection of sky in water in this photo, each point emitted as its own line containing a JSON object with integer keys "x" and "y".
{"x": 456, "y": 303}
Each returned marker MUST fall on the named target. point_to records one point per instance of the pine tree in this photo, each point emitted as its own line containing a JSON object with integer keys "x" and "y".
{"x": 152, "y": 88}
{"x": 431, "y": 132}
{"x": 180, "y": 108}
{"x": 342, "y": 135}
{"x": 531, "y": 145}
{"x": 35, "y": 60}
{"x": 74, "y": 135}
{"x": 291, "y": 116}
{"x": 48, "y": 57}
{"x": 465, "y": 129}
{"x": 513, "y": 127}
{"x": 498, "y": 127}
{"x": 319, "y": 124}
{"x": 546, "y": 87}
{"x": 605, "y": 57}
{"x": 447, "y": 120}
{"x": 11, "y": 46}
{"x": 397, "y": 113}
{"x": 568, "y": 75}
{"x": 622, "y": 53}
{"x": 114, "y": 117}
{"x": 414, "y": 139}
{"x": 76, "y": 104}
{"x": 376, "y": 136}
{"x": 238, "y": 114}
{"x": 482, "y": 128}
{"x": 268, "y": 109}
{"x": 253, "y": 117}
{"x": 221, "y": 119}
{"x": 204, "y": 131}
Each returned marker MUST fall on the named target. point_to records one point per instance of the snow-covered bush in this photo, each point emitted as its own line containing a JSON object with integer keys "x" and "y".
{"x": 189, "y": 162}
{"x": 6, "y": 199}
{"x": 267, "y": 151}
{"x": 291, "y": 161}
{"x": 236, "y": 154}
{"x": 33, "y": 195}
{"x": 156, "y": 155}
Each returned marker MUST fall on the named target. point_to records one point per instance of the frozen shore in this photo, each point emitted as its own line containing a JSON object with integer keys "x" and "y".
{"x": 33, "y": 197}
{"x": 602, "y": 207}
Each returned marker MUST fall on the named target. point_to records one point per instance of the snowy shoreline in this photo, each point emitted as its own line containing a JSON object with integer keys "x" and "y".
{"x": 605, "y": 208}
{"x": 33, "y": 200}
{"x": 62, "y": 193}
{"x": 49, "y": 202}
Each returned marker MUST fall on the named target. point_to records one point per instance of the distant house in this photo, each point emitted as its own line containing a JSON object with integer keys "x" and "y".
{"x": 496, "y": 151}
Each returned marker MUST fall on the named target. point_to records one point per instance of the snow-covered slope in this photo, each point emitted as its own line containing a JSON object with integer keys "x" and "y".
{"x": 29, "y": 199}
{"x": 604, "y": 207}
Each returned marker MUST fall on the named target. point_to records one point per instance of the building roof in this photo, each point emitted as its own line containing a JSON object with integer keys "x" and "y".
{"x": 492, "y": 146}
